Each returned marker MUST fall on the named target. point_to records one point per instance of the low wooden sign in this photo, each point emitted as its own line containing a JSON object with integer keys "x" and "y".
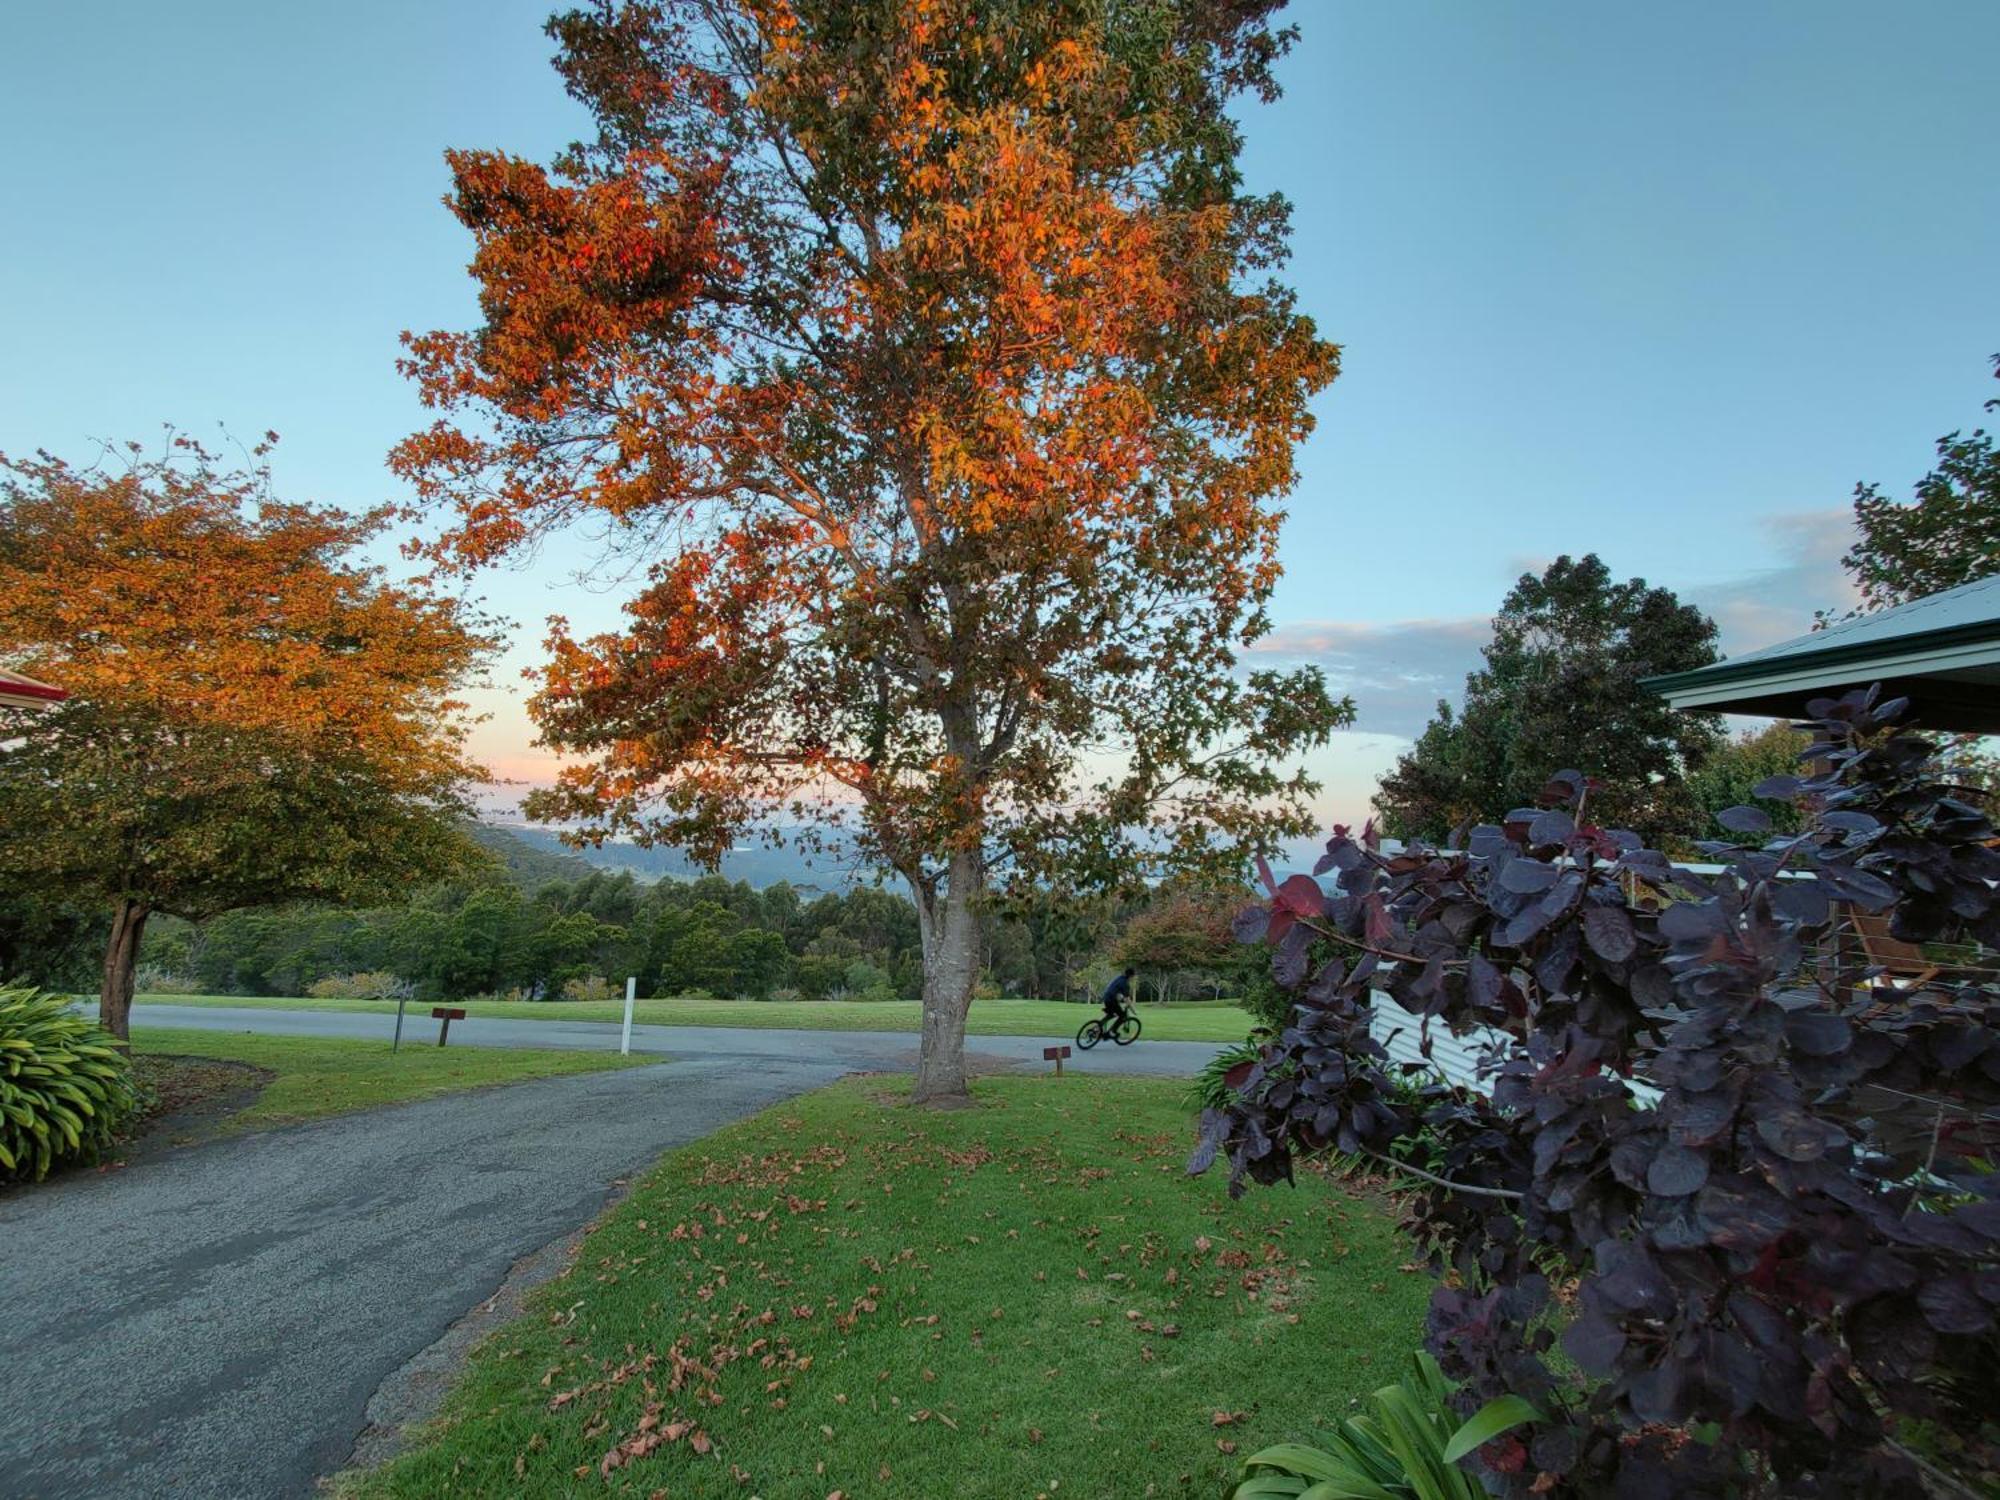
{"x": 1056, "y": 1056}
{"x": 445, "y": 1015}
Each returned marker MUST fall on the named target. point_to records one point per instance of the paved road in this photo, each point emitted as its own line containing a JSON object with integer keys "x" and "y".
{"x": 212, "y": 1323}
{"x": 857, "y": 1050}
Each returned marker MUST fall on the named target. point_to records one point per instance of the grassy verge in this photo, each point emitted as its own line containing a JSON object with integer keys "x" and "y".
{"x": 320, "y": 1076}
{"x": 1194, "y": 1021}
{"x": 846, "y": 1297}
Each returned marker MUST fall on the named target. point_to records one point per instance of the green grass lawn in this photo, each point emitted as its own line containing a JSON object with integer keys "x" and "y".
{"x": 845, "y": 1296}
{"x": 1189, "y": 1021}
{"x": 322, "y": 1076}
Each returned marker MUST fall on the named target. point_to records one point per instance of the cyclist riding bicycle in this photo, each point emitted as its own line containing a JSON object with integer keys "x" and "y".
{"x": 1117, "y": 999}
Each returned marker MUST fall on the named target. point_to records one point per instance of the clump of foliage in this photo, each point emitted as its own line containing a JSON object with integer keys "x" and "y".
{"x": 1786, "y": 1247}
{"x": 491, "y": 937}
{"x": 64, "y": 1089}
{"x": 257, "y": 715}
{"x": 1950, "y": 534}
{"x": 1729, "y": 778}
{"x": 377, "y": 984}
{"x": 1563, "y": 686}
{"x": 1406, "y": 1448}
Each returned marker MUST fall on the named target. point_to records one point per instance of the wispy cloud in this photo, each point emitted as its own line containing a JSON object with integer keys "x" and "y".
{"x": 1397, "y": 671}
{"x": 1776, "y": 603}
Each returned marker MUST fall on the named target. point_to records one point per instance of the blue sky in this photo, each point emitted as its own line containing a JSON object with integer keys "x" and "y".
{"x": 1661, "y": 282}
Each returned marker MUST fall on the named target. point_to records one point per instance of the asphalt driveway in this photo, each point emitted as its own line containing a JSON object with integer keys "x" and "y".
{"x": 726, "y": 1045}
{"x": 214, "y": 1322}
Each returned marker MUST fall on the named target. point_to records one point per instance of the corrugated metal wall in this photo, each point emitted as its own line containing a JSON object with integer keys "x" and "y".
{"x": 1455, "y": 1057}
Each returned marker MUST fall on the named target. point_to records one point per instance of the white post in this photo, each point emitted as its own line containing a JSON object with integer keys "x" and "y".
{"x": 625, "y": 1041}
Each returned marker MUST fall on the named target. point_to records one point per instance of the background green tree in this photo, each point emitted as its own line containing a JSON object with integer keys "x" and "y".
{"x": 1561, "y": 687}
{"x": 1948, "y": 536}
{"x": 1726, "y": 779}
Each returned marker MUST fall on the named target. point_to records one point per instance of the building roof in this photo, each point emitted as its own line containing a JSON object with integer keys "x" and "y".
{"x": 18, "y": 690}
{"x": 1942, "y": 652}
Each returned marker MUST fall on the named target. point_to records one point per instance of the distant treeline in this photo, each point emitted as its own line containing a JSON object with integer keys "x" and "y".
{"x": 496, "y": 938}
{"x": 534, "y": 924}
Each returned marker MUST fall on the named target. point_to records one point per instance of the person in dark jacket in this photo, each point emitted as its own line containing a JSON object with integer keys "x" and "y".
{"x": 1117, "y": 1000}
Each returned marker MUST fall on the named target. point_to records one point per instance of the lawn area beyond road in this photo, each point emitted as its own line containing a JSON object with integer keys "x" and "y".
{"x": 846, "y": 1296}
{"x": 1193, "y": 1021}
{"x": 319, "y": 1076}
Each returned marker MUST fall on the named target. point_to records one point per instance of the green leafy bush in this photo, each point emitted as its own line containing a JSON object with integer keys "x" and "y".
{"x": 1211, "y": 1088}
{"x": 153, "y": 979}
{"x": 1407, "y": 1448}
{"x": 368, "y": 985}
{"x": 64, "y": 1089}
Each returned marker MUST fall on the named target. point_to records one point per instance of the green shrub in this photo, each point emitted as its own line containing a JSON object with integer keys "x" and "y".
{"x": 64, "y": 1089}
{"x": 1211, "y": 1088}
{"x": 152, "y": 979}
{"x": 378, "y": 985}
{"x": 1407, "y": 1448}
{"x": 590, "y": 987}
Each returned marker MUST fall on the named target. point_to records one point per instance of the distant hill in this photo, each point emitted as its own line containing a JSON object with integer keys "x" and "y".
{"x": 755, "y": 865}
{"x": 535, "y": 855}
{"x": 528, "y": 864}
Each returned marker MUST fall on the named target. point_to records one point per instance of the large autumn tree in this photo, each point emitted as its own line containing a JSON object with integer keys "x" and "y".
{"x": 927, "y": 354}
{"x": 255, "y": 715}
{"x": 1563, "y": 686}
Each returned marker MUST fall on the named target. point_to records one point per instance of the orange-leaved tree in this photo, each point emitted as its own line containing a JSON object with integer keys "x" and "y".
{"x": 255, "y": 715}
{"x": 927, "y": 353}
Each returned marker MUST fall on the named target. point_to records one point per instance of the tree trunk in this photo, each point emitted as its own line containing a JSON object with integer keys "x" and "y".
{"x": 121, "y": 964}
{"x": 949, "y": 925}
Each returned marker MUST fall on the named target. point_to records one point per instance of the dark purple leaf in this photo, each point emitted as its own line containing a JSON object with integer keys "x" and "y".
{"x": 1690, "y": 921}
{"x": 1952, "y": 1306}
{"x": 1609, "y": 932}
{"x": 1251, "y": 923}
{"x": 1744, "y": 819}
{"x": 1594, "y": 1343}
{"x": 1551, "y": 827}
{"x": 1792, "y": 1133}
{"x": 1301, "y": 895}
{"x": 1482, "y": 982}
{"x": 1264, "y": 874}
{"x": 1676, "y": 1171}
{"x": 1528, "y": 877}
{"x": 1655, "y": 1394}
{"x": 1377, "y": 927}
{"x": 1777, "y": 788}
{"x": 1802, "y": 901}
{"x": 1740, "y": 1213}
{"x": 1818, "y": 1033}
{"x": 1862, "y": 887}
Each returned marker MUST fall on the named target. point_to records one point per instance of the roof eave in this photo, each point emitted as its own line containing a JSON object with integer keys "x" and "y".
{"x": 1917, "y": 654}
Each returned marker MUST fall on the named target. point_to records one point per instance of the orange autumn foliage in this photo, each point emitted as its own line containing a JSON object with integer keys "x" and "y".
{"x": 254, "y": 716}
{"x": 927, "y": 355}
{"x": 200, "y": 598}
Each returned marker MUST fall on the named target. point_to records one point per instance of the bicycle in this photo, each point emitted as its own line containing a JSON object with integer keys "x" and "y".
{"x": 1124, "y": 1031}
